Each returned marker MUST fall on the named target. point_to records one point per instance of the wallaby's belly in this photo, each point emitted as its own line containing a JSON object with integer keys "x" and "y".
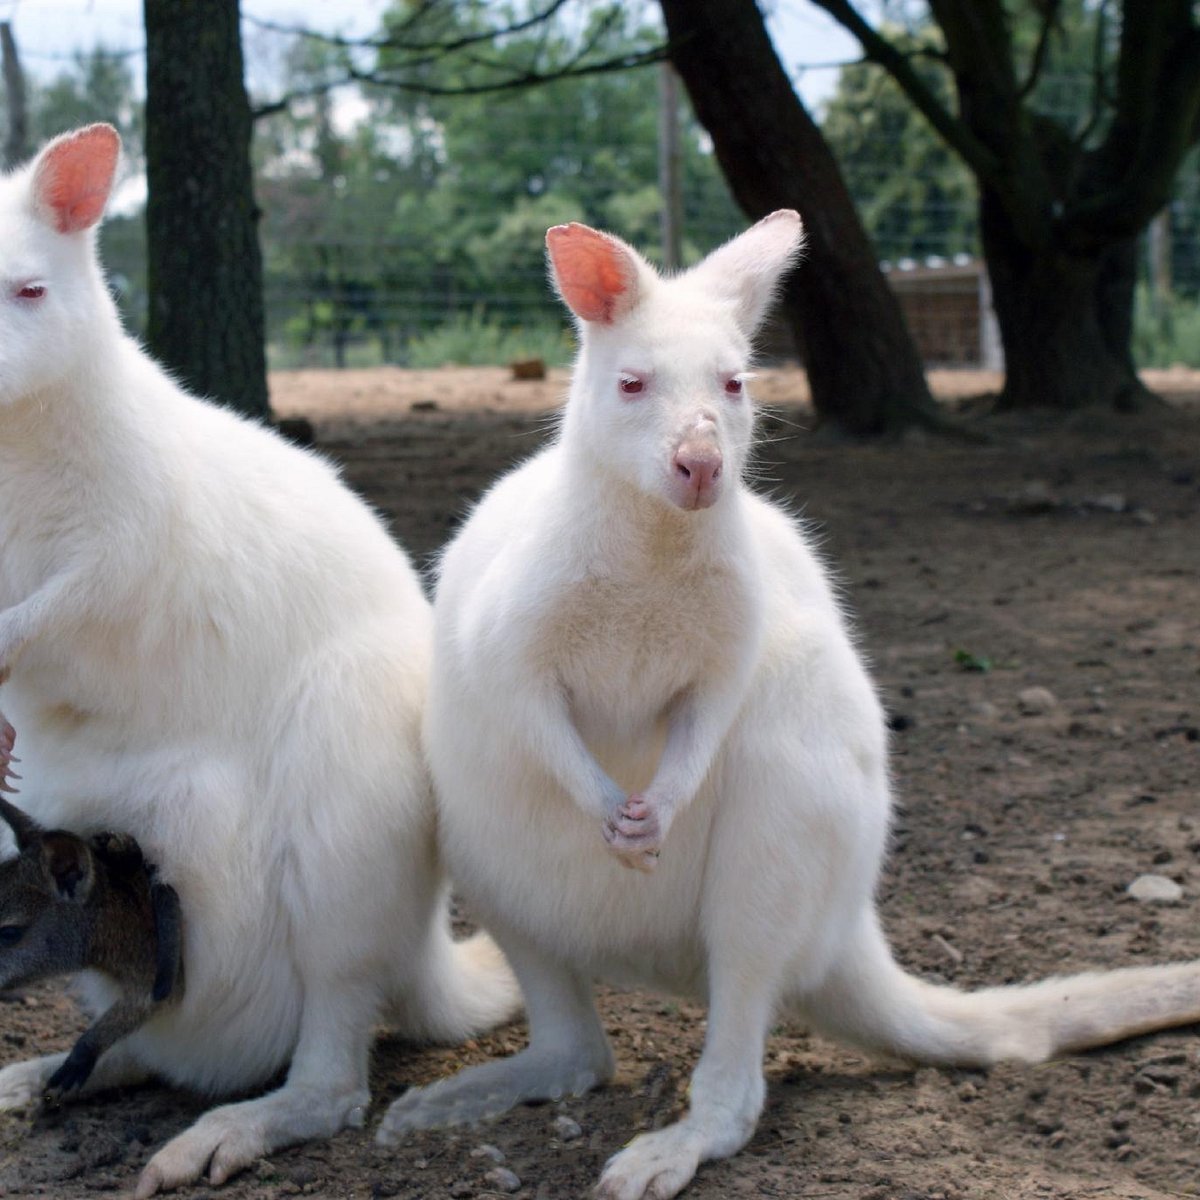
{"x": 527, "y": 858}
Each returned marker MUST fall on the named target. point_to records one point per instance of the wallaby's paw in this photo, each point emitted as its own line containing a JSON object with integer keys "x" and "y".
{"x": 479, "y": 1093}
{"x": 634, "y": 834}
{"x": 8, "y": 740}
{"x": 654, "y": 1166}
{"x": 217, "y": 1143}
{"x": 22, "y": 1084}
{"x": 75, "y": 1072}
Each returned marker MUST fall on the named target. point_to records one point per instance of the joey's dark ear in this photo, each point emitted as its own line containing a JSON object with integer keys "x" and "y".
{"x": 69, "y": 865}
{"x": 25, "y": 828}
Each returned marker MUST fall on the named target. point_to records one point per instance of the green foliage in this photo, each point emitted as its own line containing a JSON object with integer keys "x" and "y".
{"x": 473, "y": 340}
{"x": 915, "y": 196}
{"x": 966, "y": 661}
{"x": 425, "y": 226}
{"x": 1164, "y": 336}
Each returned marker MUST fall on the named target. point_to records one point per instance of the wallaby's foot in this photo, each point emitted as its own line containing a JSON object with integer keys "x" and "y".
{"x": 634, "y": 833}
{"x": 228, "y": 1139}
{"x": 8, "y": 739}
{"x": 75, "y": 1072}
{"x": 23, "y": 1084}
{"x": 654, "y": 1166}
{"x": 491, "y": 1089}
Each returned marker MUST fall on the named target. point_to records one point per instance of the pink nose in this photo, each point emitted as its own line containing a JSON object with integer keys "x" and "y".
{"x": 697, "y": 470}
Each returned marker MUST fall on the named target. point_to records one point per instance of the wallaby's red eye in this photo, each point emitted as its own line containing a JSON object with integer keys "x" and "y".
{"x": 631, "y": 385}
{"x": 734, "y": 385}
{"x": 31, "y": 291}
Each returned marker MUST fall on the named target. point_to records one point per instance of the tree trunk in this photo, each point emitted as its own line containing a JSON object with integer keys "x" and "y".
{"x": 863, "y": 368}
{"x": 16, "y": 143}
{"x": 204, "y": 266}
{"x": 1065, "y": 319}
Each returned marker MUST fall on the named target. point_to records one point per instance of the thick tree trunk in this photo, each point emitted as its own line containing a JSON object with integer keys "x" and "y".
{"x": 204, "y": 266}
{"x": 864, "y": 371}
{"x": 16, "y": 142}
{"x": 1065, "y": 319}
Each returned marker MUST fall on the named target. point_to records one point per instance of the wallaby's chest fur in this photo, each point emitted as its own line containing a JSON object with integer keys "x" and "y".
{"x": 633, "y": 634}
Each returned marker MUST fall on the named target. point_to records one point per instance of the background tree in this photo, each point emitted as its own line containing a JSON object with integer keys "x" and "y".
{"x": 915, "y": 196}
{"x": 204, "y": 267}
{"x": 432, "y": 211}
{"x": 16, "y": 139}
{"x": 1063, "y": 195}
{"x": 863, "y": 368}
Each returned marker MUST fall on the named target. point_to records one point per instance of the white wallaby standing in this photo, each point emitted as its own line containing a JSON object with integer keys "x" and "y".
{"x": 639, "y": 662}
{"x": 213, "y": 645}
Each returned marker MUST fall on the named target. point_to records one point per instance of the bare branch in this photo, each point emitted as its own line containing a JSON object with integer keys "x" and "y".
{"x": 879, "y": 50}
{"x": 393, "y": 42}
{"x": 1043, "y": 45}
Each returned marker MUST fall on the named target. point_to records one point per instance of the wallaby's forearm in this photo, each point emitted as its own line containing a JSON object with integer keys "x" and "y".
{"x": 126, "y": 1015}
{"x": 551, "y": 734}
{"x": 696, "y": 729}
{"x": 168, "y": 929}
{"x": 38, "y": 613}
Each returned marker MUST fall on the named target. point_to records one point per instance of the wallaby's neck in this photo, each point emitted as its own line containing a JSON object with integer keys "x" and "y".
{"x": 89, "y": 408}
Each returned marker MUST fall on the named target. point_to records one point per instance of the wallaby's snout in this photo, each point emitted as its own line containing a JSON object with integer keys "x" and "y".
{"x": 697, "y": 463}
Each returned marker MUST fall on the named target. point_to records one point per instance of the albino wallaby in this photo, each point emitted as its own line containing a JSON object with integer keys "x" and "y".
{"x": 638, "y": 662}
{"x": 67, "y": 905}
{"x": 213, "y": 645}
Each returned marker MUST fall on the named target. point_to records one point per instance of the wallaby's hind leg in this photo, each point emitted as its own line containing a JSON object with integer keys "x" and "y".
{"x": 326, "y": 1090}
{"x": 726, "y": 1096}
{"x": 568, "y": 1053}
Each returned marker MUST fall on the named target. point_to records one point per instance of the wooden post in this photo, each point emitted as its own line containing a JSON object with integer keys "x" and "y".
{"x": 670, "y": 162}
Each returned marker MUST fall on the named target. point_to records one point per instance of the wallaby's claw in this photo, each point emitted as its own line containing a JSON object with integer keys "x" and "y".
{"x": 634, "y": 834}
{"x": 8, "y": 739}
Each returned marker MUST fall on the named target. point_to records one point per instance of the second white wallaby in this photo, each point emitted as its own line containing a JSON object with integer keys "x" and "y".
{"x": 658, "y": 755}
{"x": 211, "y": 644}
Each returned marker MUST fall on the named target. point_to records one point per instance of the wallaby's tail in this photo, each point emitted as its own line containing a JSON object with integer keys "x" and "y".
{"x": 868, "y": 999}
{"x": 462, "y": 988}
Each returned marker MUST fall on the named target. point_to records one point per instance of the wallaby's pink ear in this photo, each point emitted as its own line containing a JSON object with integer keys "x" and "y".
{"x": 749, "y": 268}
{"x": 68, "y": 863}
{"x": 596, "y": 274}
{"x": 73, "y": 176}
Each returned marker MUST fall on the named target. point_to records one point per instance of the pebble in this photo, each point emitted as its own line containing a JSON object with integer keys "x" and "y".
{"x": 1036, "y": 701}
{"x": 1155, "y": 889}
{"x": 566, "y": 1130}
{"x": 491, "y": 1153}
{"x": 503, "y": 1180}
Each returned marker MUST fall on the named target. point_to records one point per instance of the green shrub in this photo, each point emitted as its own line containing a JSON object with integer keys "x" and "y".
{"x": 477, "y": 340}
{"x": 1168, "y": 337}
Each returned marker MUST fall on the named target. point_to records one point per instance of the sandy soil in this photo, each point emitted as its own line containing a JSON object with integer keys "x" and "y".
{"x": 1061, "y": 556}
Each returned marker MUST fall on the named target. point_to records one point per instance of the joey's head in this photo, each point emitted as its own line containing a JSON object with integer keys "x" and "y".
{"x": 659, "y": 400}
{"x": 51, "y": 290}
{"x": 44, "y": 894}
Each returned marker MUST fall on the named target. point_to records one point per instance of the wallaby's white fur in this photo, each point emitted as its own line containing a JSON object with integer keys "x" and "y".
{"x": 216, "y": 647}
{"x": 598, "y": 635}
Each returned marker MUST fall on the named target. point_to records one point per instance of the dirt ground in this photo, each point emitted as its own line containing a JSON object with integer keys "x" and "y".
{"x": 1059, "y": 556}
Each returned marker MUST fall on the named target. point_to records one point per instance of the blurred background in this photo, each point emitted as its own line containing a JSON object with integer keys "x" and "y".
{"x": 407, "y": 158}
